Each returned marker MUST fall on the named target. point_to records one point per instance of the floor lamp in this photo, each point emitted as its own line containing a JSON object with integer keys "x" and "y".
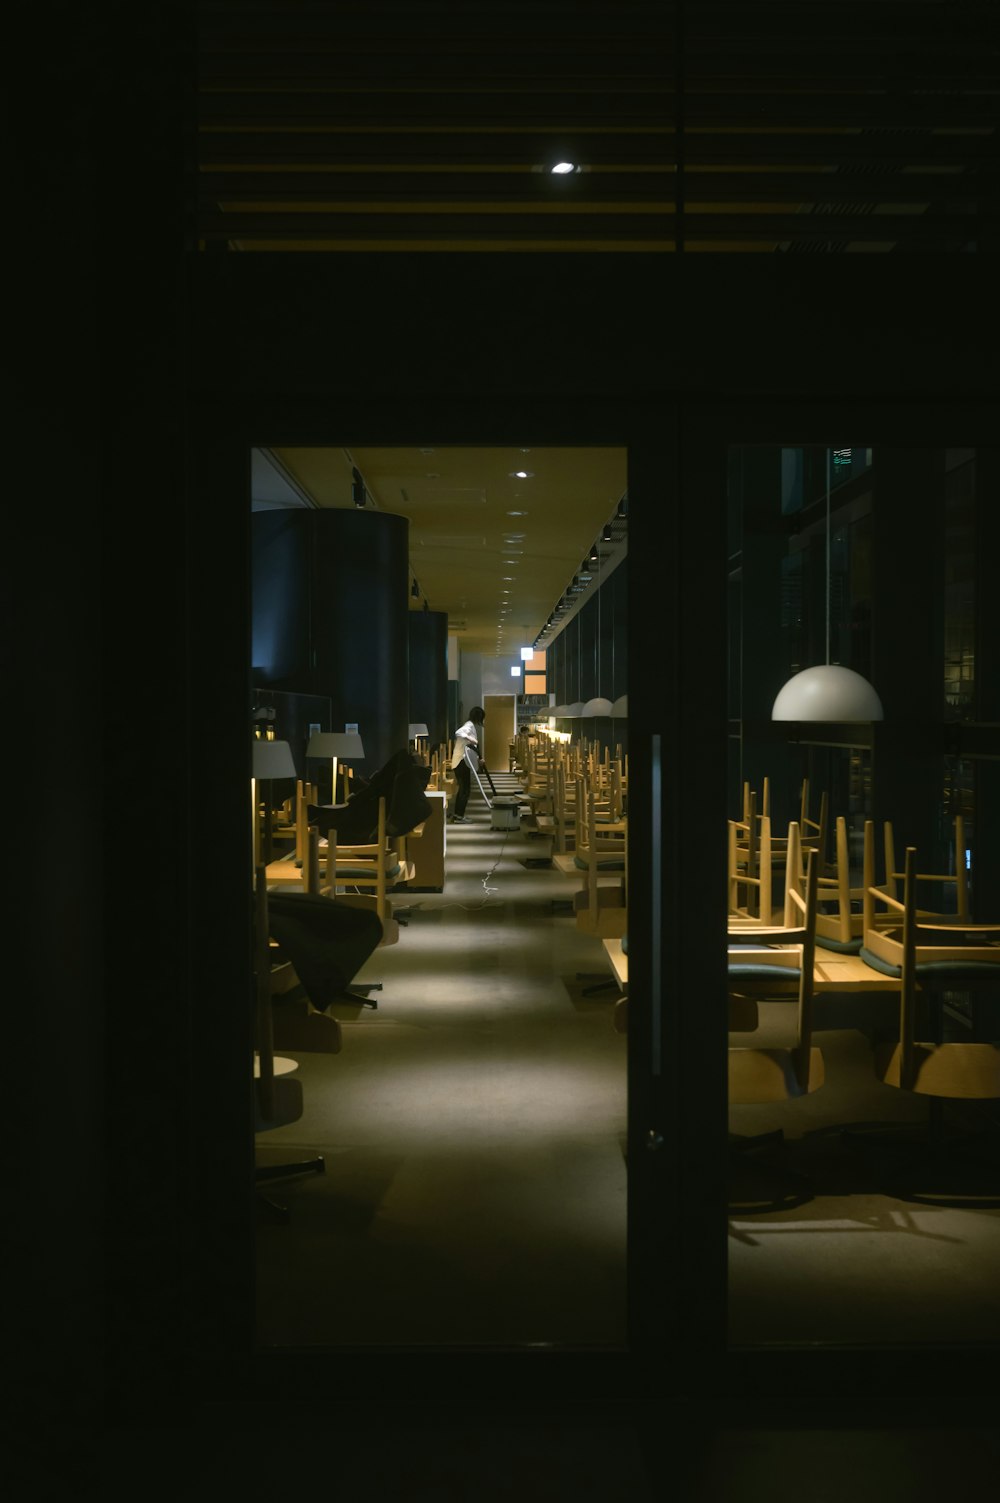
{"x": 339, "y": 746}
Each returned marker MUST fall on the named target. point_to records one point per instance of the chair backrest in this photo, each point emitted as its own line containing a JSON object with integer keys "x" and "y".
{"x": 768, "y": 1074}
{"x": 840, "y": 918}
{"x": 928, "y": 955}
{"x": 750, "y": 863}
{"x": 958, "y": 879}
{"x": 800, "y": 901}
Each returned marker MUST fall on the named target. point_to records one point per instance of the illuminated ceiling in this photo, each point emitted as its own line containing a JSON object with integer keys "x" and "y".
{"x": 494, "y": 551}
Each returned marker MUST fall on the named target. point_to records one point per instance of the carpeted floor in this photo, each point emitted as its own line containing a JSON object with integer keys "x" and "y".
{"x": 473, "y": 1128}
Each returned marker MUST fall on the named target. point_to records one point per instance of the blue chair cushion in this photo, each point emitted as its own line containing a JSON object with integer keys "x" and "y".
{"x": 752, "y": 971}
{"x": 839, "y": 946}
{"x": 943, "y": 969}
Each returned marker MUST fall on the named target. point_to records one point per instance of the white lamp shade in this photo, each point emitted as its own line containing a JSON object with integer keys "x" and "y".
{"x": 574, "y": 711}
{"x": 620, "y": 707}
{"x": 339, "y": 744}
{"x": 828, "y": 692}
{"x": 273, "y": 759}
{"x": 597, "y": 706}
{"x": 417, "y": 729}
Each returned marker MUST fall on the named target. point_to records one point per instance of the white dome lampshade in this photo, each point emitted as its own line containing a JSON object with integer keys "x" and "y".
{"x": 828, "y": 692}
{"x": 596, "y": 706}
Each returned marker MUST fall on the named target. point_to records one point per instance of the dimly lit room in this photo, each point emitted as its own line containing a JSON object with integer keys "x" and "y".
{"x": 528, "y": 1014}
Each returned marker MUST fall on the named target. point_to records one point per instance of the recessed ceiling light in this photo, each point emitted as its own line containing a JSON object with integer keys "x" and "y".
{"x": 522, "y": 475}
{"x": 515, "y": 537}
{"x": 560, "y": 169}
{"x": 517, "y": 514}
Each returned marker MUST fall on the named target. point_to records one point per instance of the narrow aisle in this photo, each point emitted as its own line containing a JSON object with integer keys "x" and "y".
{"x": 473, "y": 1128}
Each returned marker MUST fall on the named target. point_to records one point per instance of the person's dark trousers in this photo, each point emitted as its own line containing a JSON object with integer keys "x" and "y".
{"x": 463, "y": 779}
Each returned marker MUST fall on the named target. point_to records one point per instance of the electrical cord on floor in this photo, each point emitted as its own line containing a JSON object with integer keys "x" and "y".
{"x": 475, "y": 907}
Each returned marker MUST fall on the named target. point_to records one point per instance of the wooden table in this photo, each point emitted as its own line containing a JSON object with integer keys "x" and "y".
{"x": 831, "y": 973}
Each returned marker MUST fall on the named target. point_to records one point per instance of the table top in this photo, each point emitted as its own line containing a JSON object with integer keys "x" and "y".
{"x": 831, "y": 972}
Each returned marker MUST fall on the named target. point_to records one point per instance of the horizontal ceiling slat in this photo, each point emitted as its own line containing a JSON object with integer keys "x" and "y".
{"x": 532, "y": 147}
{"x": 595, "y": 187}
{"x": 634, "y": 225}
{"x": 641, "y": 108}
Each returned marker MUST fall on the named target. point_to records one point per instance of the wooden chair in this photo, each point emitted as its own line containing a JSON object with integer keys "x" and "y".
{"x": 761, "y": 1075}
{"x": 840, "y": 919}
{"x": 749, "y": 869}
{"x": 957, "y": 881}
{"x": 369, "y": 869}
{"x": 932, "y": 954}
{"x": 564, "y": 807}
{"x": 600, "y": 909}
{"x": 769, "y": 962}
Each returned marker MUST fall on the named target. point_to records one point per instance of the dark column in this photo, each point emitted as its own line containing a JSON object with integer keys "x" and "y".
{"x": 908, "y": 647}
{"x": 986, "y": 832}
{"x": 330, "y": 593}
{"x": 428, "y": 634}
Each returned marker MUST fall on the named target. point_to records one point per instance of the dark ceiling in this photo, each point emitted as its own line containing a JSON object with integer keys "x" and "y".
{"x": 764, "y": 125}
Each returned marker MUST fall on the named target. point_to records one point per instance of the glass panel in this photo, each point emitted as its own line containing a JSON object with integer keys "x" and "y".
{"x": 960, "y": 584}
{"x": 858, "y": 1197}
{"x": 464, "y": 1083}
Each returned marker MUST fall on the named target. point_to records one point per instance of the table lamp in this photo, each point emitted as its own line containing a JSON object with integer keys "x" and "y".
{"x": 271, "y": 759}
{"x": 339, "y": 746}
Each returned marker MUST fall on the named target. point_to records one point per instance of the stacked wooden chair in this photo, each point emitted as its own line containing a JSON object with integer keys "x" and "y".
{"x": 766, "y": 1075}
{"x": 933, "y": 953}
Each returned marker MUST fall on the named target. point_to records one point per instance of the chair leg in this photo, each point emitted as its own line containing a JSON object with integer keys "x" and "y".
{"x": 269, "y": 1209}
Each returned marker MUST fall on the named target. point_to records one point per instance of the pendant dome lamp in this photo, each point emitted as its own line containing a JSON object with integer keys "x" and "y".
{"x": 829, "y": 691}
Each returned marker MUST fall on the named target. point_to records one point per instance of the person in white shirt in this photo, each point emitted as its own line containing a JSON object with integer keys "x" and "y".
{"x": 466, "y": 747}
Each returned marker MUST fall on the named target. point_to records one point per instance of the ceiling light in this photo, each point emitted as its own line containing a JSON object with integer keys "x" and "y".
{"x": 560, "y": 169}
{"x": 517, "y": 514}
{"x": 594, "y": 555}
{"x": 606, "y": 534}
{"x": 521, "y": 475}
{"x": 828, "y": 692}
